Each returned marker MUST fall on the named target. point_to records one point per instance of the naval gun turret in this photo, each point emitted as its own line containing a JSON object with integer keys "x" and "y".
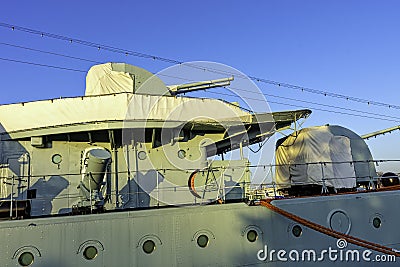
{"x": 112, "y": 78}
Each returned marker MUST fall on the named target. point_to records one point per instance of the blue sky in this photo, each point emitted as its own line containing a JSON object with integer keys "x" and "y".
{"x": 346, "y": 47}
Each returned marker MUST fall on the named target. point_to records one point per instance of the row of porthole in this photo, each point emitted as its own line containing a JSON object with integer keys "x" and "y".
{"x": 202, "y": 241}
{"x": 27, "y": 258}
{"x": 149, "y": 246}
{"x": 297, "y": 230}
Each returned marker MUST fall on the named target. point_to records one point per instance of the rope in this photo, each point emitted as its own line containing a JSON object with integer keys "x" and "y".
{"x": 330, "y": 232}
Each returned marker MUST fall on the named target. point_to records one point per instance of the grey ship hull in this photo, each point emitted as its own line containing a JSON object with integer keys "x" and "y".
{"x": 119, "y": 236}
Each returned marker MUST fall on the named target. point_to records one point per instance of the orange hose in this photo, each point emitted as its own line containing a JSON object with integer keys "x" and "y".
{"x": 330, "y": 232}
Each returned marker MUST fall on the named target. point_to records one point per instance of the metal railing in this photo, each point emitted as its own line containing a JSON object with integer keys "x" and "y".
{"x": 66, "y": 201}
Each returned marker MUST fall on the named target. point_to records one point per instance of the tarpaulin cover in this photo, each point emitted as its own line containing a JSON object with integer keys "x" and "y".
{"x": 110, "y": 78}
{"x": 323, "y": 154}
{"x": 118, "y": 107}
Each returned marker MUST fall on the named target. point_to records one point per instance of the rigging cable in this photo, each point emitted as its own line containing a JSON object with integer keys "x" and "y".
{"x": 324, "y": 110}
{"x": 238, "y": 89}
{"x": 50, "y": 53}
{"x": 220, "y": 93}
{"x": 286, "y": 98}
{"x": 319, "y": 109}
{"x": 174, "y": 61}
{"x": 41, "y": 65}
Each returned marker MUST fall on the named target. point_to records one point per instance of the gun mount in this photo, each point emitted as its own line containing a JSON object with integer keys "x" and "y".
{"x": 380, "y": 132}
{"x": 191, "y": 87}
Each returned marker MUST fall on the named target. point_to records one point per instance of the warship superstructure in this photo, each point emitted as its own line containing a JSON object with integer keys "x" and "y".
{"x": 128, "y": 175}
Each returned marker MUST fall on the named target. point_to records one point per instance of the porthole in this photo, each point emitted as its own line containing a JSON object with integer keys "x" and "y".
{"x": 202, "y": 241}
{"x": 297, "y": 231}
{"x": 149, "y": 246}
{"x": 56, "y": 158}
{"x": 376, "y": 222}
{"x": 26, "y": 259}
{"x": 339, "y": 221}
{"x": 142, "y": 155}
{"x": 90, "y": 253}
{"x": 252, "y": 235}
{"x": 181, "y": 154}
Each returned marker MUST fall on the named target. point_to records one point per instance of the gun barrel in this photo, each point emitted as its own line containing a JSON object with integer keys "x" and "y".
{"x": 190, "y": 87}
{"x": 381, "y": 132}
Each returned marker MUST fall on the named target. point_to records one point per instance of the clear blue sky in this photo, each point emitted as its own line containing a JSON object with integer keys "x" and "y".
{"x": 346, "y": 47}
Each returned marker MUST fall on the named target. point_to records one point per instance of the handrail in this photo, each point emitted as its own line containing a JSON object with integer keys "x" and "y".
{"x": 211, "y": 168}
{"x": 250, "y": 189}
